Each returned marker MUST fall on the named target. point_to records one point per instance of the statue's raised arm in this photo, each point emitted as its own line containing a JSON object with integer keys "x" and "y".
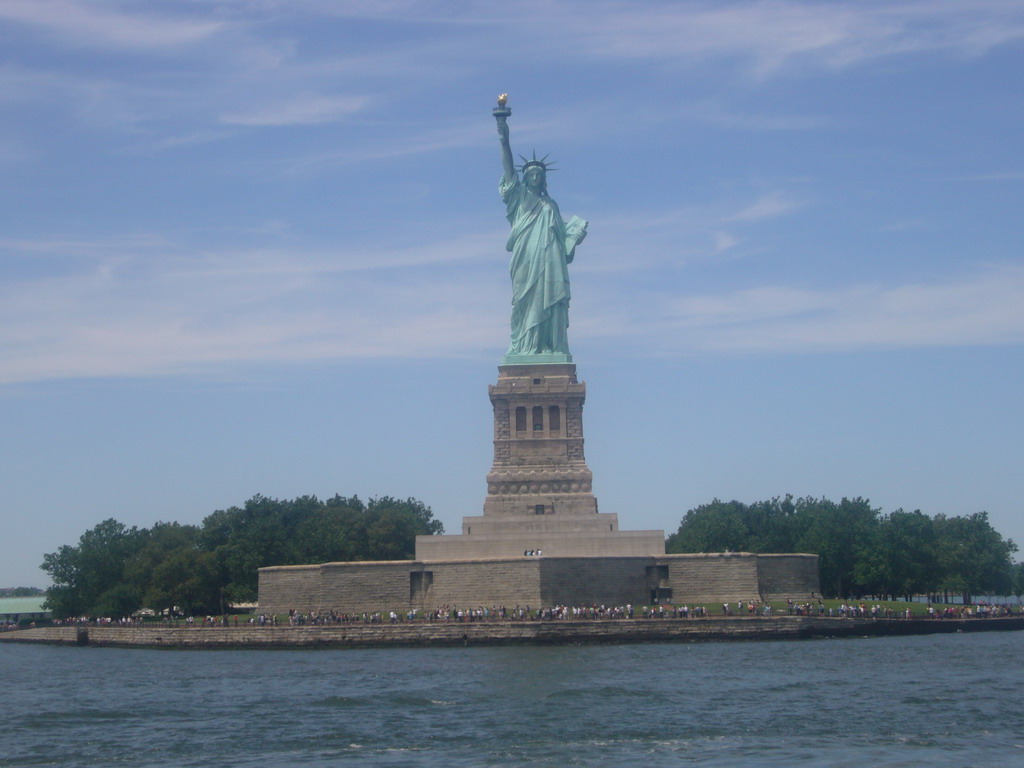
{"x": 501, "y": 113}
{"x": 542, "y": 245}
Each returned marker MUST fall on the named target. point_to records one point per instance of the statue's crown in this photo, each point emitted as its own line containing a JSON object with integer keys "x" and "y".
{"x": 535, "y": 163}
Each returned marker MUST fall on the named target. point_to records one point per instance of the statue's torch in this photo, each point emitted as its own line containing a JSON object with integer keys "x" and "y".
{"x": 501, "y": 112}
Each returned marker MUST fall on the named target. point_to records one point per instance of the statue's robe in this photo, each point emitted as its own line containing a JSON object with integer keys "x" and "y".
{"x": 540, "y": 277}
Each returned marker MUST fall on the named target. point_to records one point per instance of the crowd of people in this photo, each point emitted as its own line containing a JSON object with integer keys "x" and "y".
{"x": 980, "y": 611}
{"x": 446, "y": 613}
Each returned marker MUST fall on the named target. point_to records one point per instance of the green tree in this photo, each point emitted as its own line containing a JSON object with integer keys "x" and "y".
{"x": 243, "y": 540}
{"x": 1017, "y": 583}
{"x": 861, "y": 552}
{"x": 975, "y": 559}
{"x": 910, "y": 545}
{"x": 88, "y": 579}
{"x": 716, "y": 527}
{"x": 772, "y": 526}
{"x": 21, "y": 592}
{"x": 114, "y": 569}
{"x": 170, "y": 571}
{"x": 841, "y": 535}
{"x": 331, "y": 534}
{"x": 187, "y": 580}
{"x": 393, "y": 525}
{"x": 118, "y": 601}
{"x": 268, "y": 532}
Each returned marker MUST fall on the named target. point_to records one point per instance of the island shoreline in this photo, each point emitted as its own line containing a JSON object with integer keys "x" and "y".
{"x": 423, "y": 634}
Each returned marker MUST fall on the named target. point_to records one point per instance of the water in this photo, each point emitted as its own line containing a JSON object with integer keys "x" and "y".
{"x": 941, "y": 700}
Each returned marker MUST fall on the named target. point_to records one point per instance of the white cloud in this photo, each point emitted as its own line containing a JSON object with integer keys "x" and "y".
{"x": 102, "y": 25}
{"x": 780, "y": 33}
{"x": 310, "y": 109}
{"x": 244, "y": 65}
{"x": 769, "y": 206}
{"x": 445, "y": 137}
{"x": 770, "y": 34}
{"x": 978, "y": 309}
{"x": 680, "y": 235}
{"x": 724, "y": 241}
{"x": 717, "y": 114}
{"x": 138, "y": 307}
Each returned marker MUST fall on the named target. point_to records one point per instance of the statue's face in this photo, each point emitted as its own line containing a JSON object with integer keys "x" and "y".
{"x": 534, "y": 178}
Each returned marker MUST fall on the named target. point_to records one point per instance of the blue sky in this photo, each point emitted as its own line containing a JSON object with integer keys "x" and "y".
{"x": 257, "y": 247}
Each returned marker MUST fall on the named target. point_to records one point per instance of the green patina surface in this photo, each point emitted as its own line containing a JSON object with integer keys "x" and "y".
{"x": 538, "y": 359}
{"x": 542, "y": 245}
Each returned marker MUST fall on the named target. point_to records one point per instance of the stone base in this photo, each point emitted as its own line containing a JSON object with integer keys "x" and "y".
{"x": 539, "y": 466}
{"x": 422, "y": 633}
{"x": 424, "y": 585}
{"x": 604, "y": 524}
{"x": 554, "y": 543}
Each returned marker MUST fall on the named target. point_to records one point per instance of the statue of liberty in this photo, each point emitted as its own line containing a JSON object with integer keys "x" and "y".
{"x": 542, "y": 245}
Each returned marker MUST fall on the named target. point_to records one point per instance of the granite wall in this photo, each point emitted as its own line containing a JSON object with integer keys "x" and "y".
{"x": 402, "y": 585}
{"x": 455, "y": 633}
{"x": 782, "y": 576}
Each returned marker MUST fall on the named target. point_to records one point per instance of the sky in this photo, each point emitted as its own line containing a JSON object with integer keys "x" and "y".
{"x": 257, "y": 247}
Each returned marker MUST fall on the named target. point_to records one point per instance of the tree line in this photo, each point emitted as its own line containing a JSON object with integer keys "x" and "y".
{"x": 202, "y": 569}
{"x": 21, "y": 592}
{"x": 861, "y": 550}
{"x": 114, "y": 570}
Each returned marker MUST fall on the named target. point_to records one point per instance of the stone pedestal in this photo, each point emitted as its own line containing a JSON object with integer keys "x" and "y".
{"x": 539, "y": 488}
{"x": 539, "y": 467}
